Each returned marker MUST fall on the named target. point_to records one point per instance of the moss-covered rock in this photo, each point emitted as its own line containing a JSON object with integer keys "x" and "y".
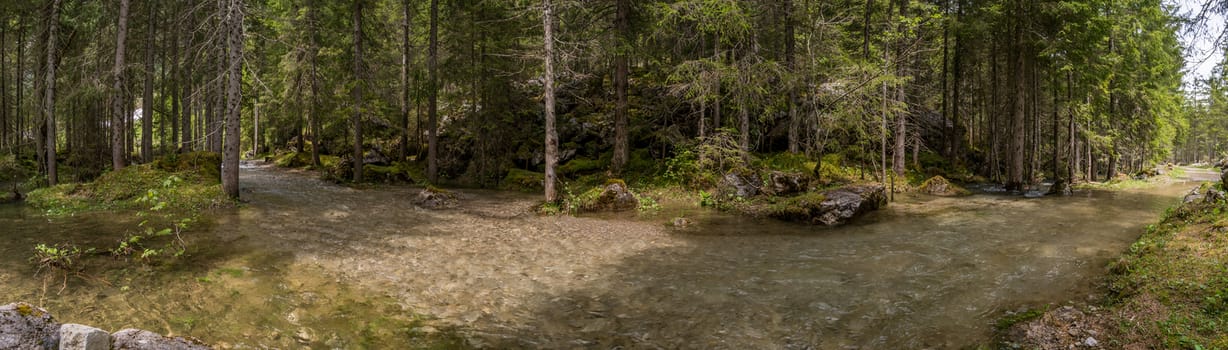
{"x": 433, "y": 197}
{"x": 940, "y": 186}
{"x": 523, "y": 180}
{"x": 183, "y": 182}
{"x": 613, "y": 196}
{"x": 830, "y": 208}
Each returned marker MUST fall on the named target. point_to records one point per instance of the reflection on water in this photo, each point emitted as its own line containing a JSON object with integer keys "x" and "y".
{"x": 308, "y": 263}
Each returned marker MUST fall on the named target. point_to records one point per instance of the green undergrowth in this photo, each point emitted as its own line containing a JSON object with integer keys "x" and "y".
{"x": 1170, "y": 289}
{"x": 195, "y": 187}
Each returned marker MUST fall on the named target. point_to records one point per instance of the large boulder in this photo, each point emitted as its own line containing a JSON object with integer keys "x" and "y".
{"x": 24, "y": 326}
{"x": 1223, "y": 179}
{"x": 783, "y": 184}
{"x": 614, "y": 196}
{"x": 739, "y": 184}
{"x": 82, "y": 337}
{"x": 830, "y": 208}
{"x": 844, "y": 204}
{"x": 145, "y": 340}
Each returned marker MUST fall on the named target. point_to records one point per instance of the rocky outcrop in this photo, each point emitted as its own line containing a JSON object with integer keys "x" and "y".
{"x": 735, "y": 184}
{"x": 27, "y": 327}
{"x": 784, "y": 184}
{"x": 24, "y": 326}
{"x": 843, "y": 204}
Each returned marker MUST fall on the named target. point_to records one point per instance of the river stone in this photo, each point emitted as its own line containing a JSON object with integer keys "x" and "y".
{"x": 734, "y": 184}
{"x": 24, "y": 326}
{"x": 784, "y": 184}
{"x": 433, "y": 198}
{"x": 135, "y": 339}
{"x": 1213, "y": 196}
{"x": 81, "y": 337}
{"x": 1192, "y": 197}
{"x": 843, "y": 204}
{"x": 614, "y": 197}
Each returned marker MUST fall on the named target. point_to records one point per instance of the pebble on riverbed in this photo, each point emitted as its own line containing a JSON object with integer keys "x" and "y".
{"x": 24, "y": 326}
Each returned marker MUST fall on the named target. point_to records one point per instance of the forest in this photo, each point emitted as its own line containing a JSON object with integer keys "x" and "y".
{"x": 469, "y": 91}
{"x": 616, "y": 173}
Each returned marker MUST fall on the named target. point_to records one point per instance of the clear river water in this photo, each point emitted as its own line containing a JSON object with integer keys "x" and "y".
{"x": 304, "y": 263}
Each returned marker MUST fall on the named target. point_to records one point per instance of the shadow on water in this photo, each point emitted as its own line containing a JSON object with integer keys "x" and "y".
{"x": 925, "y": 273}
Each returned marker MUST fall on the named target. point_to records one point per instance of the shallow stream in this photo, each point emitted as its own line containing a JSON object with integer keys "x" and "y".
{"x": 307, "y": 263}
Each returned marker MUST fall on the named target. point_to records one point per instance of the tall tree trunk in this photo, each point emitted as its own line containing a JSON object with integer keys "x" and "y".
{"x": 117, "y": 90}
{"x": 234, "y": 41}
{"x": 622, "y": 24}
{"x": 186, "y": 84}
{"x": 21, "y": 54}
{"x": 313, "y": 53}
{"x": 552, "y": 141}
{"x": 432, "y": 108}
{"x": 4, "y": 86}
{"x": 1015, "y": 179}
{"x": 795, "y": 121}
{"x": 356, "y": 120}
{"x": 147, "y": 110}
{"x": 901, "y": 117}
{"x": 53, "y": 25}
{"x": 405, "y": 29}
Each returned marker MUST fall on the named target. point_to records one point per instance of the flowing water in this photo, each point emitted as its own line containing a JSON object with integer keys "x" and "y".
{"x": 309, "y": 264}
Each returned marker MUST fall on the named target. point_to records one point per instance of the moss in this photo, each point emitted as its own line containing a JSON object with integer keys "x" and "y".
{"x": 797, "y": 208}
{"x": 581, "y": 165}
{"x": 522, "y": 180}
{"x": 940, "y": 186}
{"x": 185, "y": 182}
{"x": 26, "y": 310}
{"x": 1170, "y": 288}
{"x": 1020, "y": 317}
{"x": 786, "y": 162}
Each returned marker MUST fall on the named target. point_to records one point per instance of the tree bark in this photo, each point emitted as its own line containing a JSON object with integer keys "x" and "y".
{"x": 623, "y": 26}
{"x": 795, "y": 121}
{"x": 405, "y": 29}
{"x": 117, "y": 90}
{"x": 356, "y": 120}
{"x": 432, "y": 109}
{"x": 147, "y": 98}
{"x": 552, "y": 142}
{"x": 4, "y": 86}
{"x": 53, "y": 25}
{"x": 234, "y": 98}
{"x": 313, "y": 53}
{"x": 1015, "y": 179}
